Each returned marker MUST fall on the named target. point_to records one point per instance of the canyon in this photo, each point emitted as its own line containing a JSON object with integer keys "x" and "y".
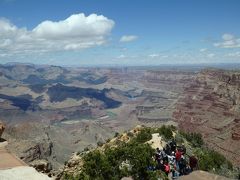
{"x": 50, "y": 112}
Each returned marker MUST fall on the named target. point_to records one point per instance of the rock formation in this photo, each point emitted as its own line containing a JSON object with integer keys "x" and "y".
{"x": 41, "y": 166}
{"x": 211, "y": 106}
{"x": 2, "y": 127}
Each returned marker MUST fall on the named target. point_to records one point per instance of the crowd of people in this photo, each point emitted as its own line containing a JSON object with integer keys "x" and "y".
{"x": 173, "y": 159}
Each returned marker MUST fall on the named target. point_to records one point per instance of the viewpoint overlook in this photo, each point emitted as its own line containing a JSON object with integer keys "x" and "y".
{"x": 119, "y": 90}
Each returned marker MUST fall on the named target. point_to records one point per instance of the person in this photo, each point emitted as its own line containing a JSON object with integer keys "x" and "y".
{"x": 157, "y": 154}
{"x": 175, "y": 173}
{"x": 182, "y": 166}
{"x": 173, "y": 145}
{"x": 193, "y": 162}
{"x": 188, "y": 169}
{"x": 166, "y": 168}
{"x": 172, "y": 158}
{"x": 172, "y": 162}
{"x": 178, "y": 155}
{"x": 164, "y": 156}
{"x": 168, "y": 149}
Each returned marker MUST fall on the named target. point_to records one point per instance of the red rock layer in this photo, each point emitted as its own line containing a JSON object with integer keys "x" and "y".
{"x": 211, "y": 106}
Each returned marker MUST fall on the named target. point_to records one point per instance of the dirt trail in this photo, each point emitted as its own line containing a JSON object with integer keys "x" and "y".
{"x": 7, "y": 159}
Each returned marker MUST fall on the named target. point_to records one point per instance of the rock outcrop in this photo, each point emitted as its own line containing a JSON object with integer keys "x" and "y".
{"x": 39, "y": 151}
{"x": 2, "y": 127}
{"x": 41, "y": 166}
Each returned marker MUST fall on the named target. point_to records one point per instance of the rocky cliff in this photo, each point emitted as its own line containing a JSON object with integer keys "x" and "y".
{"x": 211, "y": 106}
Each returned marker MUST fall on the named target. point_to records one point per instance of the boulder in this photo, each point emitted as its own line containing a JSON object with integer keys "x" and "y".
{"x": 41, "y": 166}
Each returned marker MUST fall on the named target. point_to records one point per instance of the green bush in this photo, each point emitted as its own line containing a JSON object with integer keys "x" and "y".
{"x": 130, "y": 134}
{"x": 194, "y": 138}
{"x": 166, "y": 131}
{"x": 144, "y": 135}
{"x": 96, "y": 166}
{"x": 69, "y": 177}
{"x": 107, "y": 165}
{"x": 210, "y": 159}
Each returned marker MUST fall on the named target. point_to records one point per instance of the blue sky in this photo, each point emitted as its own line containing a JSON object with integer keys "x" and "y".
{"x": 108, "y": 32}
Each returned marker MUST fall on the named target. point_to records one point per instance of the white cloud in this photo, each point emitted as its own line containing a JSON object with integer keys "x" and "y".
{"x": 227, "y": 37}
{"x": 234, "y": 54}
{"x": 76, "y": 32}
{"x": 153, "y": 55}
{"x": 203, "y": 50}
{"x": 128, "y": 38}
{"x": 211, "y": 55}
{"x": 228, "y": 41}
{"x": 121, "y": 56}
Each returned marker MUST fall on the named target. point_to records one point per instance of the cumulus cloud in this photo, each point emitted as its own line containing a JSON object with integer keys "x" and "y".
{"x": 128, "y": 38}
{"x": 153, "y": 55}
{"x": 228, "y": 41}
{"x": 76, "y": 32}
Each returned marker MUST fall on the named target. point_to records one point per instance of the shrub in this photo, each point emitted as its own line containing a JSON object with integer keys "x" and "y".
{"x": 69, "y": 177}
{"x": 96, "y": 166}
{"x": 179, "y": 139}
{"x": 194, "y": 138}
{"x": 210, "y": 159}
{"x": 144, "y": 135}
{"x": 166, "y": 131}
{"x": 106, "y": 165}
{"x": 130, "y": 134}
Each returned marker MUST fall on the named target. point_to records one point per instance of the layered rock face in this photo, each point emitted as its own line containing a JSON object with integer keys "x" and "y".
{"x": 211, "y": 106}
{"x": 2, "y": 127}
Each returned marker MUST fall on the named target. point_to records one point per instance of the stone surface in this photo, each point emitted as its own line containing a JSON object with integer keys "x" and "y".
{"x": 7, "y": 159}
{"x": 41, "y": 166}
{"x": 22, "y": 173}
{"x": 202, "y": 175}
